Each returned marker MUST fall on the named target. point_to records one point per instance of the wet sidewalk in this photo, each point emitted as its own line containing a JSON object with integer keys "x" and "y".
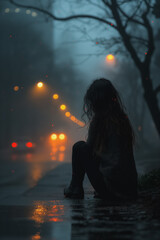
{"x": 43, "y": 213}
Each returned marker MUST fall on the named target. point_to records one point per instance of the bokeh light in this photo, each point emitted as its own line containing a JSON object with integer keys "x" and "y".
{"x": 63, "y": 107}
{"x": 34, "y": 14}
{"x": 17, "y": 10}
{"x": 28, "y": 11}
{"x": 62, "y": 136}
{"x": 73, "y": 118}
{"x": 14, "y": 145}
{"x": 7, "y": 10}
{"x": 16, "y": 88}
{"x": 55, "y": 96}
{"x": 40, "y": 84}
{"x": 53, "y": 136}
{"x": 67, "y": 114}
{"x": 29, "y": 145}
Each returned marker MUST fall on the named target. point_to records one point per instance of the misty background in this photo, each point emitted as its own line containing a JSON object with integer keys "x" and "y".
{"x": 67, "y": 56}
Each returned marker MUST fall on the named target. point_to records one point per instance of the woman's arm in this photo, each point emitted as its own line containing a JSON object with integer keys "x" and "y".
{"x": 91, "y": 132}
{"x": 117, "y": 165}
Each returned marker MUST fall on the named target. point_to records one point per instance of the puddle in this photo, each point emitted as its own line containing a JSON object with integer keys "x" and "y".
{"x": 76, "y": 219}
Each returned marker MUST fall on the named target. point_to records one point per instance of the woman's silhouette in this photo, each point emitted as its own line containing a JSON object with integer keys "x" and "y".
{"x": 107, "y": 155}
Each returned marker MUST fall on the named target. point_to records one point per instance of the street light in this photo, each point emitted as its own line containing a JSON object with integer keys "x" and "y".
{"x": 16, "y": 88}
{"x": 73, "y": 118}
{"x": 63, "y": 107}
{"x": 110, "y": 58}
{"x": 67, "y": 114}
{"x": 55, "y": 96}
{"x": 40, "y": 84}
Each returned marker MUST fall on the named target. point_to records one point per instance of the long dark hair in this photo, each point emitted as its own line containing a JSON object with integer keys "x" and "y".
{"x": 102, "y": 102}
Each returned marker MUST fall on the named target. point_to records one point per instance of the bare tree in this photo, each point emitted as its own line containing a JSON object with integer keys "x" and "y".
{"x": 131, "y": 20}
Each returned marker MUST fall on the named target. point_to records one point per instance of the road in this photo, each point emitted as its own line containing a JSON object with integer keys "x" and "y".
{"x": 20, "y": 172}
{"x": 32, "y": 205}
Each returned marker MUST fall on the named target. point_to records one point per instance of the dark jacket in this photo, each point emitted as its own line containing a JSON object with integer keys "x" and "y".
{"x": 117, "y": 163}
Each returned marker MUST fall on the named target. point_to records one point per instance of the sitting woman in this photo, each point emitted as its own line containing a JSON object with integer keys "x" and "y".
{"x": 107, "y": 155}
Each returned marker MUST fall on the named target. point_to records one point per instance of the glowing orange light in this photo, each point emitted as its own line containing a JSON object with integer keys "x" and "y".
{"x": 55, "y": 96}
{"x": 16, "y": 88}
{"x": 62, "y": 148}
{"x": 61, "y": 157}
{"x": 110, "y": 58}
{"x": 29, "y": 145}
{"x": 55, "y": 220}
{"x": 14, "y": 145}
{"x": 28, "y": 156}
{"x": 82, "y": 124}
{"x": 54, "y": 150}
{"x": 36, "y": 236}
{"x": 53, "y": 136}
{"x": 40, "y": 84}
{"x": 67, "y": 114}
{"x": 62, "y": 136}
{"x": 63, "y": 107}
{"x": 73, "y": 118}
{"x": 39, "y": 213}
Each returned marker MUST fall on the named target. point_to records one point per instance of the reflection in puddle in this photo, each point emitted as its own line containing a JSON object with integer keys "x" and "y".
{"x": 36, "y": 236}
{"x": 36, "y": 172}
{"x": 43, "y": 213}
{"x": 61, "y": 157}
{"x": 58, "y": 152}
{"x": 62, "y": 148}
{"x": 29, "y": 156}
{"x": 39, "y": 214}
{"x": 14, "y": 156}
{"x": 76, "y": 219}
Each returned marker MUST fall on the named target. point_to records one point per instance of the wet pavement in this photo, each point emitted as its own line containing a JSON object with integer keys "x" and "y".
{"x": 42, "y": 212}
{"x": 71, "y": 219}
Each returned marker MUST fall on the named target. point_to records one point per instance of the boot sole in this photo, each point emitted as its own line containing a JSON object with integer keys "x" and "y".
{"x": 73, "y": 196}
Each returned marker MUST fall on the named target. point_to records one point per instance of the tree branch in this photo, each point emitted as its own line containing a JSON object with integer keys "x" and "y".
{"x": 131, "y": 18}
{"x": 124, "y": 35}
{"x": 97, "y": 5}
{"x": 151, "y": 46}
{"x": 106, "y": 3}
{"x": 65, "y": 18}
{"x": 141, "y": 40}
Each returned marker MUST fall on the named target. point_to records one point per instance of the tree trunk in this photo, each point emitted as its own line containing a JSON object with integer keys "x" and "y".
{"x": 151, "y": 99}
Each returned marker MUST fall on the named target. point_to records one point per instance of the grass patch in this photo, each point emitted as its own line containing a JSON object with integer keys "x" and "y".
{"x": 149, "y": 180}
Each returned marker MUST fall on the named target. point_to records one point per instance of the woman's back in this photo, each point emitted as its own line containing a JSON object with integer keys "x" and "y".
{"x": 116, "y": 159}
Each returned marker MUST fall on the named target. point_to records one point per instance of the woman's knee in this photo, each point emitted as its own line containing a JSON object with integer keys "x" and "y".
{"x": 78, "y": 144}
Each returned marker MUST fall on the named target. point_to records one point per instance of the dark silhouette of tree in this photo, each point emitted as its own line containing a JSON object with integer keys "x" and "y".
{"x": 131, "y": 19}
{"x": 156, "y": 9}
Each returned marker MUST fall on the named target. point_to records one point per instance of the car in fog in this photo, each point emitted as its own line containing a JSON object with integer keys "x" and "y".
{"x": 22, "y": 144}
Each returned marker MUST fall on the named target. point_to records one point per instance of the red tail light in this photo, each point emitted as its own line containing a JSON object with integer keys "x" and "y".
{"x": 29, "y": 145}
{"x": 14, "y": 145}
